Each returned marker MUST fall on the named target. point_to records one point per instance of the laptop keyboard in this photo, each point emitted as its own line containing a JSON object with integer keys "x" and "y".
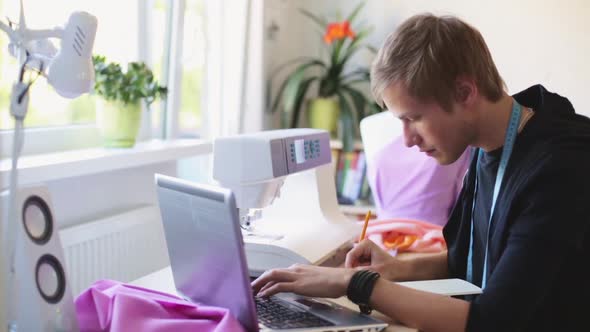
{"x": 273, "y": 314}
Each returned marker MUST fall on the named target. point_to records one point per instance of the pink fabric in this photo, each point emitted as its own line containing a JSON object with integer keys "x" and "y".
{"x": 401, "y": 235}
{"x": 112, "y": 306}
{"x": 406, "y": 183}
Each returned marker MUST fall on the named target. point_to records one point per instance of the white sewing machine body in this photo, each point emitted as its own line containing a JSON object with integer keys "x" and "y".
{"x": 288, "y": 174}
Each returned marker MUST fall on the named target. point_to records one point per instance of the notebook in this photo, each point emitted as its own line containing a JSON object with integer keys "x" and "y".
{"x": 449, "y": 287}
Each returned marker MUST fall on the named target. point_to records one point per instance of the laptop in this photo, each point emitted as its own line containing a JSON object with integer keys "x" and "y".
{"x": 209, "y": 266}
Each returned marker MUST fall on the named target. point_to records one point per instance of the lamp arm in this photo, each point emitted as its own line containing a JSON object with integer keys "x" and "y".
{"x": 21, "y": 38}
{"x": 9, "y": 31}
{"x": 39, "y": 63}
{"x": 56, "y": 32}
{"x": 29, "y": 35}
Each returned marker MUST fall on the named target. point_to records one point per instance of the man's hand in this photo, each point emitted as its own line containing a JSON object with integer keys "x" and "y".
{"x": 307, "y": 280}
{"x": 370, "y": 256}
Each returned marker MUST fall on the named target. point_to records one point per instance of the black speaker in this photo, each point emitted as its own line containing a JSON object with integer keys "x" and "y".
{"x": 44, "y": 301}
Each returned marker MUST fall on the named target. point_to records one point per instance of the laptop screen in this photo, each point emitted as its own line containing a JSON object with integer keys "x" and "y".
{"x": 205, "y": 246}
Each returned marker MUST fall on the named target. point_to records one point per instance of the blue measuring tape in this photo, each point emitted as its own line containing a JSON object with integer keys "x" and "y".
{"x": 506, "y": 152}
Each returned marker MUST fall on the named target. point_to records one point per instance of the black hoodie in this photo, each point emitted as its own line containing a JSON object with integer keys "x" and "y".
{"x": 539, "y": 254}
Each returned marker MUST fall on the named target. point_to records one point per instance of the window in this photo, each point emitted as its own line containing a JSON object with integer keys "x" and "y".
{"x": 141, "y": 30}
{"x": 176, "y": 50}
{"x": 193, "y": 59}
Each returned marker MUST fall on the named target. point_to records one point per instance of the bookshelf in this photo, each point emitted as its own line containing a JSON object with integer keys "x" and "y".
{"x": 352, "y": 188}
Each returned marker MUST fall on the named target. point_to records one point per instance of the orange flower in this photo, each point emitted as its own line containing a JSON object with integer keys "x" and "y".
{"x": 337, "y": 31}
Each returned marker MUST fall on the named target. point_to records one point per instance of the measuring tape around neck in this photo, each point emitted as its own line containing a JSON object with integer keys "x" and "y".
{"x": 509, "y": 140}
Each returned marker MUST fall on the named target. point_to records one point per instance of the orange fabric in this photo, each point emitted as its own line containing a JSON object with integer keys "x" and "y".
{"x": 399, "y": 241}
{"x": 403, "y": 235}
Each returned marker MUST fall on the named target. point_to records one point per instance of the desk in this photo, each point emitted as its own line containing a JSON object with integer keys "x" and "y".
{"x": 162, "y": 281}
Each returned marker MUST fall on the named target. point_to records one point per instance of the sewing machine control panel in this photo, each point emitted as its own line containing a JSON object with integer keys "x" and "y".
{"x": 302, "y": 150}
{"x": 307, "y": 152}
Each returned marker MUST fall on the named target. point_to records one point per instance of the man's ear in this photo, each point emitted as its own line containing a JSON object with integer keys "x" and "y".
{"x": 465, "y": 91}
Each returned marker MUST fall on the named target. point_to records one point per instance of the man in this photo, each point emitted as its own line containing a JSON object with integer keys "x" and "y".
{"x": 520, "y": 226}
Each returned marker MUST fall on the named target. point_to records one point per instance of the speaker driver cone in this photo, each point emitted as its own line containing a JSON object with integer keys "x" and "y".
{"x": 50, "y": 278}
{"x": 37, "y": 219}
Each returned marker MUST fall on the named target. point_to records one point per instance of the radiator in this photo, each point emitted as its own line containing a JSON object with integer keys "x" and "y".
{"x": 121, "y": 247}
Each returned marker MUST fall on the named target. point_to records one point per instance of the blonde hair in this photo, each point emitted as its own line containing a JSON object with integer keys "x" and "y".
{"x": 428, "y": 53}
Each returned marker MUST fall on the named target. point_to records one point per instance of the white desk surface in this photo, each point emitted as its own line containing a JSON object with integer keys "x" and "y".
{"x": 162, "y": 281}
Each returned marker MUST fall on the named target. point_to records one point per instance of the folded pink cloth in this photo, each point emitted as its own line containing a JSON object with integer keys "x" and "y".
{"x": 403, "y": 235}
{"x": 112, "y": 306}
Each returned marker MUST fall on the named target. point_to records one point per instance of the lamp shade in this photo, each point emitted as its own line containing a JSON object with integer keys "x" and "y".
{"x": 71, "y": 73}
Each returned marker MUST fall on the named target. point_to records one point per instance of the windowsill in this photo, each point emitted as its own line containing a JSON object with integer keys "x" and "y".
{"x": 53, "y": 166}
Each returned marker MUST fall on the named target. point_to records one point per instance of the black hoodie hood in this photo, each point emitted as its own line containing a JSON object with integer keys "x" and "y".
{"x": 539, "y": 99}
{"x": 555, "y": 120}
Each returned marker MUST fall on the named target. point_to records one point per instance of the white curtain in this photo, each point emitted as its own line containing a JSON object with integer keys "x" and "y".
{"x": 233, "y": 87}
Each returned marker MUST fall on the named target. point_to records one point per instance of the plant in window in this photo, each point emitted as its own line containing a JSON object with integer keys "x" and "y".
{"x": 337, "y": 96}
{"x": 123, "y": 92}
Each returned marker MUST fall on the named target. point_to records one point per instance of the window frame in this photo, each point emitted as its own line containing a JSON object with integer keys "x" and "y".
{"x": 174, "y": 69}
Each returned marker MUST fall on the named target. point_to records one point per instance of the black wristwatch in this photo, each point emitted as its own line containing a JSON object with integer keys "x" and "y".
{"x": 360, "y": 288}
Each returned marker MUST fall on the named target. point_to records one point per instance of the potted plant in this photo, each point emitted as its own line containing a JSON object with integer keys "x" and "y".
{"x": 337, "y": 98}
{"x": 122, "y": 94}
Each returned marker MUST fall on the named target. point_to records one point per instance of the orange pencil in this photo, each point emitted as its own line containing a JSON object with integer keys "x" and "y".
{"x": 367, "y": 217}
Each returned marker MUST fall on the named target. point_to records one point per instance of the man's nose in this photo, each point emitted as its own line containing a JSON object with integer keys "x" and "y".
{"x": 410, "y": 137}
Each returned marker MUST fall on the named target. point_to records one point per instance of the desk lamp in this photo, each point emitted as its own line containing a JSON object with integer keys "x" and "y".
{"x": 70, "y": 72}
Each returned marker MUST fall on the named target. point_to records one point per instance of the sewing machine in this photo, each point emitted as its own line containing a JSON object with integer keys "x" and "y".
{"x": 283, "y": 181}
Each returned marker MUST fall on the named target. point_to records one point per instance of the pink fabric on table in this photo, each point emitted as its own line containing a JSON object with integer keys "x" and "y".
{"x": 406, "y": 183}
{"x": 112, "y": 306}
{"x": 401, "y": 235}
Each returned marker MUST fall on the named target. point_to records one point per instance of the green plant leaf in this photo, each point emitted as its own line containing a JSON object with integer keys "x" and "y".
{"x": 356, "y": 76}
{"x": 355, "y": 11}
{"x": 374, "y": 108}
{"x": 349, "y": 52}
{"x": 280, "y": 68}
{"x": 294, "y": 84}
{"x": 135, "y": 84}
{"x": 282, "y": 87}
{"x": 300, "y": 99}
{"x": 359, "y": 101}
{"x": 330, "y": 83}
{"x": 353, "y": 48}
{"x": 318, "y": 20}
{"x": 362, "y": 34}
{"x": 372, "y": 49}
{"x": 346, "y": 122}
{"x": 337, "y": 47}
{"x": 356, "y": 81}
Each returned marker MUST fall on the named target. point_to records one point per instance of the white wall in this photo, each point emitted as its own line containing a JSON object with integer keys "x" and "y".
{"x": 532, "y": 41}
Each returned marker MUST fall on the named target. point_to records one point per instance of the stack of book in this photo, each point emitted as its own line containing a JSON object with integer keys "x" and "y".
{"x": 351, "y": 182}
